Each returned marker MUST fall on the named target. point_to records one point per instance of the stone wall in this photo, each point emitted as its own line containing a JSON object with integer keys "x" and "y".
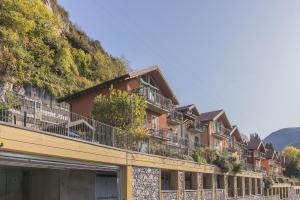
{"x": 169, "y": 195}
{"x": 191, "y": 195}
{"x": 145, "y": 183}
{"x": 181, "y": 185}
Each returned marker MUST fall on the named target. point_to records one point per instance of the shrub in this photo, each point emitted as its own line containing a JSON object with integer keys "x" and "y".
{"x": 237, "y": 167}
{"x": 224, "y": 164}
{"x": 268, "y": 181}
{"x": 199, "y": 159}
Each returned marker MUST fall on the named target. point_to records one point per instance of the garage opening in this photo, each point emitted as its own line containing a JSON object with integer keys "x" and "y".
{"x": 44, "y": 180}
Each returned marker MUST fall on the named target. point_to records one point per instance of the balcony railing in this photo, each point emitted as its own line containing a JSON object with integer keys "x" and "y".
{"x": 197, "y": 126}
{"x": 73, "y": 126}
{"x": 153, "y": 97}
{"x": 175, "y": 116}
{"x": 259, "y": 155}
{"x": 186, "y": 143}
{"x": 163, "y": 133}
{"x": 256, "y": 168}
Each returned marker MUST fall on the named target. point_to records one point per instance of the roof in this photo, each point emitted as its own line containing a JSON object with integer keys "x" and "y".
{"x": 255, "y": 144}
{"x": 130, "y": 75}
{"x": 208, "y": 116}
{"x": 236, "y": 133}
{"x": 215, "y": 115}
{"x": 191, "y": 107}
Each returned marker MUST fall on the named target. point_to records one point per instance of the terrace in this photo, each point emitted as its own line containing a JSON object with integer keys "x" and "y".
{"x": 155, "y": 100}
{"x": 59, "y": 121}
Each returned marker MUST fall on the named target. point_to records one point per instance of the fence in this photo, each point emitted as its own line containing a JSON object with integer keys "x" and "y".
{"x": 34, "y": 114}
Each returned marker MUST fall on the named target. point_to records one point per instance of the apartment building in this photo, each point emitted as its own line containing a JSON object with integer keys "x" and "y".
{"x": 192, "y": 128}
{"x": 149, "y": 82}
{"x": 257, "y": 153}
{"x": 273, "y": 162}
{"x": 81, "y": 158}
{"x": 218, "y": 130}
{"x": 236, "y": 145}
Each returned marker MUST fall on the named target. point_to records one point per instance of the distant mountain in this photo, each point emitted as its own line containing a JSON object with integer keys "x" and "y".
{"x": 284, "y": 137}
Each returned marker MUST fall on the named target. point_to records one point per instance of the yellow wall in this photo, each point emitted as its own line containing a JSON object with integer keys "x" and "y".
{"x": 30, "y": 142}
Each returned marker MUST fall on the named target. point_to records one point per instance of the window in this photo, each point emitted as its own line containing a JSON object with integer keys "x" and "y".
{"x": 217, "y": 126}
{"x": 154, "y": 122}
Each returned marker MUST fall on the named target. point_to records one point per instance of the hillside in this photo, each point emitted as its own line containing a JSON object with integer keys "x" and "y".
{"x": 41, "y": 46}
{"x": 284, "y": 137}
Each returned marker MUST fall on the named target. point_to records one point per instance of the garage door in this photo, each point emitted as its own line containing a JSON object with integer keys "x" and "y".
{"x": 22, "y": 160}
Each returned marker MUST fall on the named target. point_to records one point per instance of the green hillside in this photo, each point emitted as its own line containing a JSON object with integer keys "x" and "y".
{"x": 41, "y": 46}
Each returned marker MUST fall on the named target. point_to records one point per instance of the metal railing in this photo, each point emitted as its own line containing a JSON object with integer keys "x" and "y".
{"x": 197, "y": 126}
{"x": 259, "y": 154}
{"x": 30, "y": 114}
{"x": 186, "y": 143}
{"x": 155, "y": 98}
{"x": 175, "y": 116}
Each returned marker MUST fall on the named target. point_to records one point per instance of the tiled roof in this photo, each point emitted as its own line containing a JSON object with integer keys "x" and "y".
{"x": 184, "y": 108}
{"x": 254, "y": 144}
{"x": 209, "y": 115}
{"x": 189, "y": 108}
{"x": 129, "y": 75}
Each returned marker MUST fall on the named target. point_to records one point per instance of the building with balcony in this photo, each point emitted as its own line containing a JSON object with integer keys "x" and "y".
{"x": 237, "y": 145}
{"x": 218, "y": 130}
{"x": 273, "y": 162}
{"x": 148, "y": 82}
{"x": 62, "y": 155}
{"x": 192, "y": 128}
{"x": 257, "y": 153}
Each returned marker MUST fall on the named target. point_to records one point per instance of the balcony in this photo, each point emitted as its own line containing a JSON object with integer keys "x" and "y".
{"x": 156, "y": 102}
{"x": 175, "y": 117}
{"x": 163, "y": 133}
{"x": 186, "y": 143}
{"x": 236, "y": 147}
{"x": 259, "y": 155}
{"x": 67, "y": 125}
{"x": 196, "y": 127}
{"x": 222, "y": 133}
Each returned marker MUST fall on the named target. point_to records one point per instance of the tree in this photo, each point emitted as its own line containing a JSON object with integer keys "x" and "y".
{"x": 119, "y": 109}
{"x": 254, "y": 136}
{"x": 270, "y": 146}
{"x": 292, "y": 155}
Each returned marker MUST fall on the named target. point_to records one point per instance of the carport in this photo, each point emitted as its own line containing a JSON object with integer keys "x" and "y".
{"x": 24, "y": 177}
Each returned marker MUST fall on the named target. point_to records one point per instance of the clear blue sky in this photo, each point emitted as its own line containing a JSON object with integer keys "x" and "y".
{"x": 243, "y": 56}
